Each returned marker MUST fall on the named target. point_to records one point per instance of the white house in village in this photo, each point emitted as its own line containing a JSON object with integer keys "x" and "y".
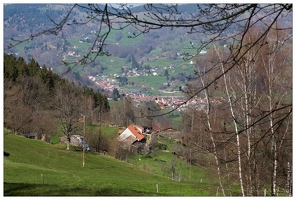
{"x": 203, "y": 52}
{"x": 154, "y": 74}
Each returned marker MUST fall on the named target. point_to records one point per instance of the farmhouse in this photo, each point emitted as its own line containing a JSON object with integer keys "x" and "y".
{"x": 132, "y": 138}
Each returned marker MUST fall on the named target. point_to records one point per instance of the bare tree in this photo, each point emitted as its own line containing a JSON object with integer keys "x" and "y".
{"x": 244, "y": 98}
{"x": 116, "y": 114}
{"x": 68, "y": 106}
{"x": 128, "y": 112}
{"x": 275, "y": 64}
{"x": 207, "y": 109}
{"x": 230, "y": 99}
{"x": 23, "y": 103}
{"x": 44, "y": 123}
{"x": 252, "y": 97}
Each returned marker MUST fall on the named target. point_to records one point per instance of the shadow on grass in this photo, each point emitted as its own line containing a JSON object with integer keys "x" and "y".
{"x": 22, "y": 189}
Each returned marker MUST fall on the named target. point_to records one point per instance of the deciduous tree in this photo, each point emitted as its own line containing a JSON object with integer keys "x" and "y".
{"x": 68, "y": 103}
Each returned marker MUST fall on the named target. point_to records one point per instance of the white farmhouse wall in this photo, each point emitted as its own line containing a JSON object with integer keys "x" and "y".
{"x": 125, "y": 134}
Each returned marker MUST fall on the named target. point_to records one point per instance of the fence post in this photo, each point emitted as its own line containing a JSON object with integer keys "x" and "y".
{"x": 42, "y": 178}
{"x": 156, "y": 187}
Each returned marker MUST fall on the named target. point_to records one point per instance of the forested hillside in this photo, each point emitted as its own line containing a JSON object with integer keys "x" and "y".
{"x": 36, "y": 100}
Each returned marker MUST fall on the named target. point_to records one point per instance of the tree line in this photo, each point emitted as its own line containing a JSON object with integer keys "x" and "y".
{"x": 36, "y": 100}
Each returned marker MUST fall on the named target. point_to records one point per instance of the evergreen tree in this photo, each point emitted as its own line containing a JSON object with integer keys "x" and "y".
{"x": 115, "y": 94}
{"x": 10, "y": 70}
{"x": 22, "y": 67}
{"x": 166, "y": 73}
{"x": 33, "y": 67}
{"x": 135, "y": 64}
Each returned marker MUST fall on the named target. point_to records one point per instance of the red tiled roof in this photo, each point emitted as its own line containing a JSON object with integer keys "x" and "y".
{"x": 156, "y": 127}
{"x": 136, "y": 132}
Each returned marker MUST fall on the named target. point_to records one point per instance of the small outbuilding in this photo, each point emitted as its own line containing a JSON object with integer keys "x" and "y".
{"x": 76, "y": 140}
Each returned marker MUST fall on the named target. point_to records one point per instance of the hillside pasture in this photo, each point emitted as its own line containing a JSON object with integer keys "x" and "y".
{"x": 36, "y": 168}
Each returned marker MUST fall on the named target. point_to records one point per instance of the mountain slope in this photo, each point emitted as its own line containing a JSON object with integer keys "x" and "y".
{"x": 31, "y": 161}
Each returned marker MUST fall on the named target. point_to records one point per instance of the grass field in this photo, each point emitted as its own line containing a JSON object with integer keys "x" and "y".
{"x": 36, "y": 168}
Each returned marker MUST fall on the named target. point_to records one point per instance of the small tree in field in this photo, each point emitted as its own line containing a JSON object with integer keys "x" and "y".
{"x": 68, "y": 103}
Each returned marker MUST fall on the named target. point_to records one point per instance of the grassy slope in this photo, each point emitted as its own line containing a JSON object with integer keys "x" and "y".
{"x": 65, "y": 176}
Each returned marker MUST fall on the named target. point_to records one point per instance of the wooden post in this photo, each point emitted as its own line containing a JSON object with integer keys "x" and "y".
{"x": 83, "y": 140}
{"x": 190, "y": 165}
{"x": 156, "y": 187}
{"x": 83, "y": 151}
{"x": 288, "y": 190}
{"x": 42, "y": 179}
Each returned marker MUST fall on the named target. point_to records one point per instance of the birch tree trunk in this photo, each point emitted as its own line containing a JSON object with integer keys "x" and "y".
{"x": 207, "y": 111}
{"x": 246, "y": 83}
{"x": 270, "y": 74}
{"x": 235, "y": 125}
{"x": 275, "y": 63}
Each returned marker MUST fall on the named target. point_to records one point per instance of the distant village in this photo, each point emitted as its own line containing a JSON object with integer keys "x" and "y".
{"x": 165, "y": 102}
{"x": 109, "y": 83}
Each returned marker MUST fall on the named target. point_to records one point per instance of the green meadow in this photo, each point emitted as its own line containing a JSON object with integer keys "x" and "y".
{"x": 36, "y": 168}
